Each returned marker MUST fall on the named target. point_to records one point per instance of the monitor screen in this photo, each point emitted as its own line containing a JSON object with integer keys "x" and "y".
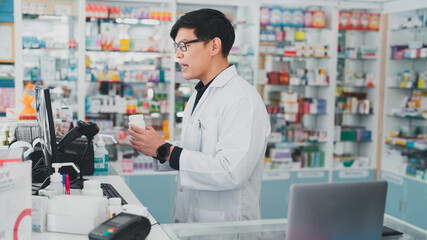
{"x": 47, "y": 127}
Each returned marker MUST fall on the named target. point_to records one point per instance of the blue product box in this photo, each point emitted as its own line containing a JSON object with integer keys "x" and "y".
{"x": 363, "y": 135}
{"x": 275, "y": 17}
{"x": 410, "y": 144}
{"x": 287, "y": 17}
{"x": 321, "y": 105}
{"x": 297, "y": 18}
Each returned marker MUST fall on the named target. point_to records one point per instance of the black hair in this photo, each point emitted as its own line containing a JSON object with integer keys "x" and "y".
{"x": 207, "y": 23}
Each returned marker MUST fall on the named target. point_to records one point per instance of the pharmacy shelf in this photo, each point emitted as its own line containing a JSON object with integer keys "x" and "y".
{"x": 356, "y": 114}
{"x": 395, "y": 97}
{"x": 292, "y": 86}
{"x": 350, "y": 141}
{"x": 406, "y": 117}
{"x": 403, "y": 148}
{"x": 423, "y": 28}
{"x": 357, "y": 59}
{"x": 129, "y": 83}
{"x": 355, "y": 86}
{"x": 347, "y": 68}
{"x": 300, "y": 28}
{"x": 405, "y": 176}
{"x": 112, "y": 51}
{"x": 409, "y": 59}
{"x": 358, "y": 31}
{"x": 404, "y": 88}
{"x": 24, "y": 50}
{"x": 291, "y": 58}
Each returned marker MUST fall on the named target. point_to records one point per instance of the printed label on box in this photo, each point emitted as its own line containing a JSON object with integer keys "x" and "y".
{"x": 314, "y": 174}
{"x": 353, "y": 174}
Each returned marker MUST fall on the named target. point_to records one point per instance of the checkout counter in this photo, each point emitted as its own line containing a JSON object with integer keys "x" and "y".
{"x": 114, "y": 179}
{"x": 268, "y": 229}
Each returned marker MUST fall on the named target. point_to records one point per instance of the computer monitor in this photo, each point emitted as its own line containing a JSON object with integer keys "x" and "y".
{"x": 47, "y": 127}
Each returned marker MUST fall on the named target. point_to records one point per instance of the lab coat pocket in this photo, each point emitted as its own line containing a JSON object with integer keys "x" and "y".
{"x": 209, "y": 134}
{"x": 205, "y": 215}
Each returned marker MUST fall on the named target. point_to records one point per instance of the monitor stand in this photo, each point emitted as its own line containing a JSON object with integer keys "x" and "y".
{"x": 78, "y": 183}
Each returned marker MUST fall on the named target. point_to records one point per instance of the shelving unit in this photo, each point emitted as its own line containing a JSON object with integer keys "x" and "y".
{"x": 130, "y": 63}
{"x": 404, "y": 163}
{"x": 297, "y": 67}
{"x": 46, "y": 40}
{"x": 244, "y": 17}
{"x": 357, "y": 94}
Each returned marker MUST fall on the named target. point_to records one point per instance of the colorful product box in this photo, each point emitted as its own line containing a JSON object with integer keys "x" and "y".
{"x": 319, "y": 19}
{"x": 344, "y": 20}
{"x": 265, "y": 16}
{"x": 364, "y": 21}
{"x": 297, "y": 18}
{"x": 275, "y": 17}
{"x": 308, "y": 19}
{"x": 374, "y": 21}
{"x": 287, "y": 17}
{"x": 355, "y": 20}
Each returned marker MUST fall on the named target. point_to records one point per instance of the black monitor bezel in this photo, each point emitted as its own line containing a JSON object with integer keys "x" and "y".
{"x": 52, "y": 157}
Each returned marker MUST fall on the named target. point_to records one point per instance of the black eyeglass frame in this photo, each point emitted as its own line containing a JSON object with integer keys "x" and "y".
{"x": 183, "y": 44}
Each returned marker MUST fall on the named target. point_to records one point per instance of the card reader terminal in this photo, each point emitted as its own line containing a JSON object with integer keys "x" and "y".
{"x": 123, "y": 226}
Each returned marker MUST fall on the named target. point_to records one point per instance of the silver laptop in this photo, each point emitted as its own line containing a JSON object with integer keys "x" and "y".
{"x": 336, "y": 211}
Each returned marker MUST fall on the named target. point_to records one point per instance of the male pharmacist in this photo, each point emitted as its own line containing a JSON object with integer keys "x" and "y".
{"x": 224, "y": 132}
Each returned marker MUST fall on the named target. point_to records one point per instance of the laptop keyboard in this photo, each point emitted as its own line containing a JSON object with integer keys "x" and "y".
{"x": 110, "y": 192}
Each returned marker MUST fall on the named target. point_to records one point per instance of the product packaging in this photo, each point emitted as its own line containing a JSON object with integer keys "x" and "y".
{"x": 318, "y": 19}
{"x": 308, "y": 19}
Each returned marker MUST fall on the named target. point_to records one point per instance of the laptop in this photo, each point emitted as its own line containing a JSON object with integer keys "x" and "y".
{"x": 336, "y": 211}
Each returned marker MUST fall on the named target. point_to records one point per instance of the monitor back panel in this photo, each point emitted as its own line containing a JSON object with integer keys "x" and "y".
{"x": 336, "y": 211}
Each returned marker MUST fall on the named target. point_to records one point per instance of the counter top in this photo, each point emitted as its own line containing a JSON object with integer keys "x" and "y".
{"x": 156, "y": 232}
{"x": 268, "y": 229}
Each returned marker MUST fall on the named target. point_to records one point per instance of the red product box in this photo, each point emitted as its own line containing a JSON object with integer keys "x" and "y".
{"x": 364, "y": 21}
{"x": 355, "y": 20}
{"x": 344, "y": 20}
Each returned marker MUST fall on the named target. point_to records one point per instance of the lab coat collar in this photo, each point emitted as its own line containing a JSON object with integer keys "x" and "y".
{"x": 224, "y": 77}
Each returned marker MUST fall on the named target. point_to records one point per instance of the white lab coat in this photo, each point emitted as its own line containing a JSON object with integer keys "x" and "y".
{"x": 224, "y": 143}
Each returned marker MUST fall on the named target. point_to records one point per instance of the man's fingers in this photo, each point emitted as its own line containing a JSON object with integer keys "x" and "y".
{"x": 136, "y": 134}
{"x": 149, "y": 128}
{"x": 136, "y": 129}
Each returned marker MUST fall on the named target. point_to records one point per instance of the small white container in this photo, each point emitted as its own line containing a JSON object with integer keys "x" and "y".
{"x": 137, "y": 120}
{"x": 114, "y": 207}
{"x": 92, "y": 188}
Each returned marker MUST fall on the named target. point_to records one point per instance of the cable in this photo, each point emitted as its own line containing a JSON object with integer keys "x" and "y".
{"x": 156, "y": 223}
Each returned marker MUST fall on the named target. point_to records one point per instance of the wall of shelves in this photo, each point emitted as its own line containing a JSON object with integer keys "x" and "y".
{"x": 7, "y": 92}
{"x": 277, "y": 59}
{"x": 403, "y": 152}
{"x": 357, "y": 94}
{"x": 295, "y": 75}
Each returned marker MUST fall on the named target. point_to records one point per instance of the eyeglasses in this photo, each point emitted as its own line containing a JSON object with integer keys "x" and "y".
{"x": 183, "y": 44}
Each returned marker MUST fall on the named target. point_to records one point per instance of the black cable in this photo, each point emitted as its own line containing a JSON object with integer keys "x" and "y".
{"x": 155, "y": 224}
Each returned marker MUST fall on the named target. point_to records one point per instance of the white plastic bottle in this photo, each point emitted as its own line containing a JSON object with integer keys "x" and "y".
{"x": 114, "y": 207}
{"x": 56, "y": 178}
{"x": 56, "y": 181}
{"x": 92, "y": 188}
{"x": 137, "y": 120}
{"x": 101, "y": 159}
{"x": 101, "y": 156}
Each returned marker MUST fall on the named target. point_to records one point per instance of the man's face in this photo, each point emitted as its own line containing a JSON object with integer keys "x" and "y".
{"x": 196, "y": 60}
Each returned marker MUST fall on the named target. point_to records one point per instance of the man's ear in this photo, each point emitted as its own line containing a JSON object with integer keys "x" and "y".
{"x": 216, "y": 46}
